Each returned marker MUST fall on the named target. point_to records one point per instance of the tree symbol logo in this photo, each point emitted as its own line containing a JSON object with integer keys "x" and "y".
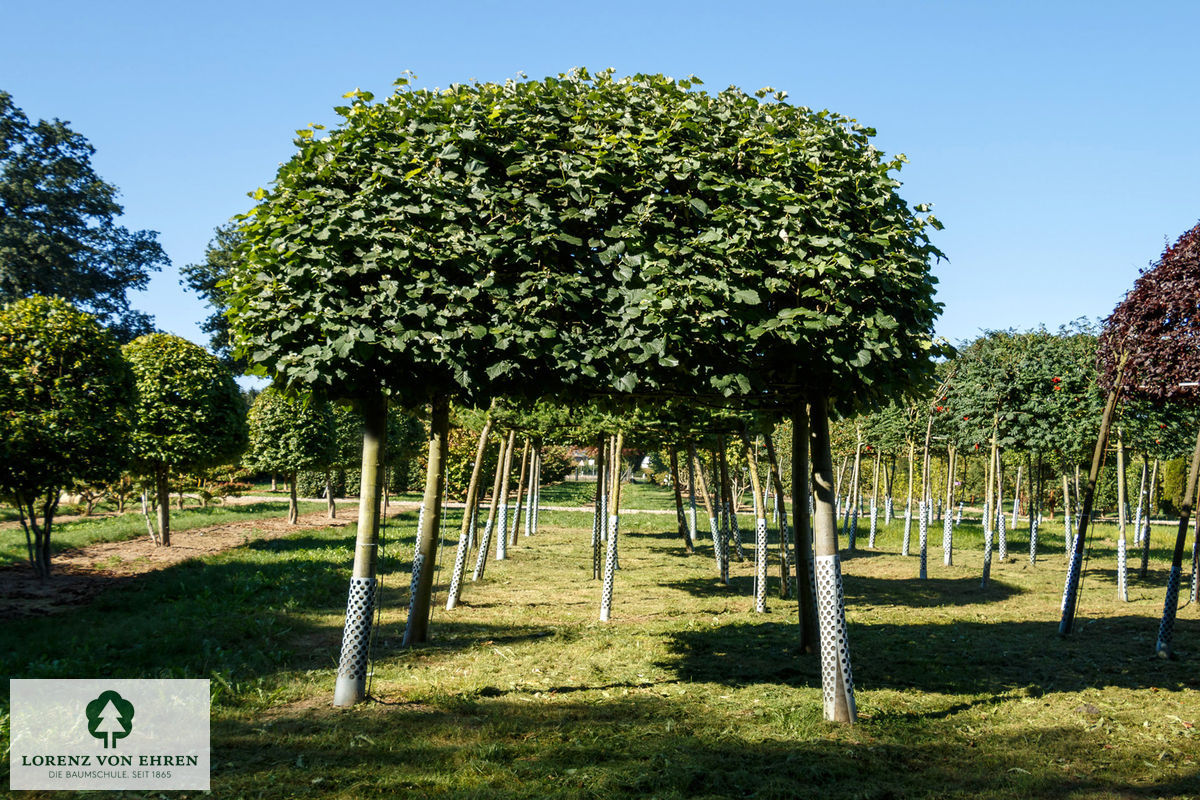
{"x": 110, "y": 717}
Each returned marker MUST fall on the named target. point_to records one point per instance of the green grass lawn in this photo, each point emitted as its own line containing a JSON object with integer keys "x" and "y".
{"x": 962, "y": 692}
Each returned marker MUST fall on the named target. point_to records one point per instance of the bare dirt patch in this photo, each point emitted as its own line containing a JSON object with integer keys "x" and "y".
{"x": 81, "y": 574}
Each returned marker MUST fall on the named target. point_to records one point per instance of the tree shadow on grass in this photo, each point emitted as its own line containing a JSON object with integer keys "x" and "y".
{"x": 927, "y": 592}
{"x": 643, "y": 745}
{"x": 954, "y": 658}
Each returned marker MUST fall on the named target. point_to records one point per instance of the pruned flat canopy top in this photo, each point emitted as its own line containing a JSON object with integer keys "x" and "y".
{"x": 585, "y": 235}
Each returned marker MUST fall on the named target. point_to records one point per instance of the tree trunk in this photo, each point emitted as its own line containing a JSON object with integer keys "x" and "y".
{"x": 760, "y": 531}
{"x": 908, "y": 509}
{"x": 1071, "y": 589}
{"x": 1145, "y": 565}
{"x": 417, "y": 629}
{"x": 526, "y": 464}
{"x": 610, "y": 561}
{"x": 680, "y": 518}
{"x": 1122, "y": 575}
{"x": 598, "y": 521}
{"x": 989, "y": 503}
{"x": 163, "y": 490}
{"x": 948, "y": 522}
{"x": 485, "y": 543}
{"x": 923, "y": 522}
{"x": 466, "y": 529}
{"x": 1001, "y": 533}
{"x": 785, "y": 562}
{"x": 1166, "y": 628}
{"x": 293, "y": 516}
{"x": 691, "y": 456}
{"x": 351, "y": 684}
{"x": 728, "y": 530}
{"x": 713, "y": 522}
{"x": 851, "y": 522}
{"x": 802, "y": 536}
{"x": 1017, "y": 497}
{"x": 502, "y": 519}
{"x": 329, "y": 494}
{"x": 874, "y": 504}
{"x": 837, "y": 683}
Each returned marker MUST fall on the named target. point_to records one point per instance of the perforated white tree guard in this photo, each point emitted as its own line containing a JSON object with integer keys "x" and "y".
{"x": 837, "y": 682}
{"x": 502, "y": 526}
{"x": 923, "y": 538}
{"x": 610, "y": 564}
{"x": 760, "y": 565}
{"x": 948, "y": 541}
{"x": 460, "y": 566}
{"x": 1166, "y": 628}
{"x": 356, "y": 636}
{"x": 874, "y": 526}
{"x": 485, "y": 544}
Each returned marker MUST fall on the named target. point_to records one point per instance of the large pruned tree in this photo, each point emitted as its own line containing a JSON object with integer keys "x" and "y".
{"x": 58, "y": 225}
{"x": 188, "y": 413}
{"x": 583, "y": 235}
{"x": 65, "y": 392}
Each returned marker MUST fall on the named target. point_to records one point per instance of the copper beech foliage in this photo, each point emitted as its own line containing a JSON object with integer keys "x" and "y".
{"x": 1158, "y": 324}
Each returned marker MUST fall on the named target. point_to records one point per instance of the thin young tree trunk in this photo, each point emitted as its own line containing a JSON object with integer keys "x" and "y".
{"x": 332, "y": 507}
{"x": 1001, "y": 533}
{"x": 691, "y": 456}
{"x": 850, "y": 523}
{"x": 923, "y": 522}
{"x": 948, "y": 521}
{"x": 502, "y": 519}
{"x": 908, "y": 509}
{"x": 1071, "y": 589}
{"x": 1122, "y": 574}
{"x": 810, "y": 641}
{"x": 485, "y": 542}
{"x": 425, "y": 558}
{"x": 1166, "y": 628}
{"x": 598, "y": 521}
{"x": 149, "y": 524}
{"x": 351, "y": 686}
{"x": 468, "y": 521}
{"x": 889, "y": 502}
{"x": 680, "y": 518}
{"x": 163, "y": 489}
{"x": 1141, "y": 504}
{"x": 728, "y": 528}
{"x": 760, "y": 531}
{"x": 874, "y": 504}
{"x": 785, "y": 563}
{"x": 1035, "y": 509}
{"x": 1068, "y": 535}
{"x": 1016, "y": 497}
{"x": 526, "y": 464}
{"x": 614, "y": 520}
{"x": 293, "y": 517}
{"x": 838, "y": 494}
{"x": 988, "y": 505}
{"x": 713, "y": 522}
{"x": 1145, "y": 565}
{"x": 837, "y": 683}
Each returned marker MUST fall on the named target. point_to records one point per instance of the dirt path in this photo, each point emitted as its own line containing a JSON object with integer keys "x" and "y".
{"x": 80, "y": 574}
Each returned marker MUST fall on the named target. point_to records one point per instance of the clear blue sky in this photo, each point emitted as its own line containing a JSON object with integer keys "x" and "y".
{"x": 1058, "y": 141}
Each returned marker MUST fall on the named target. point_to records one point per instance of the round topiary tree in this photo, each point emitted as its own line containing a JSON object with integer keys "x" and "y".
{"x": 188, "y": 412}
{"x": 288, "y": 434}
{"x": 64, "y": 410}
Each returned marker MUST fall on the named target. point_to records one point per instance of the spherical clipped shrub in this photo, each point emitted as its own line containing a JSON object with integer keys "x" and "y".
{"x": 188, "y": 412}
{"x": 64, "y": 407}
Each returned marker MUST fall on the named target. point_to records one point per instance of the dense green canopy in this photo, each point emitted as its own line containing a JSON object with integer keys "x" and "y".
{"x": 586, "y": 235}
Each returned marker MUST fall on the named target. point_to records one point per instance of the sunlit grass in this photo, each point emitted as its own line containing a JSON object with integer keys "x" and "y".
{"x": 963, "y": 692}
